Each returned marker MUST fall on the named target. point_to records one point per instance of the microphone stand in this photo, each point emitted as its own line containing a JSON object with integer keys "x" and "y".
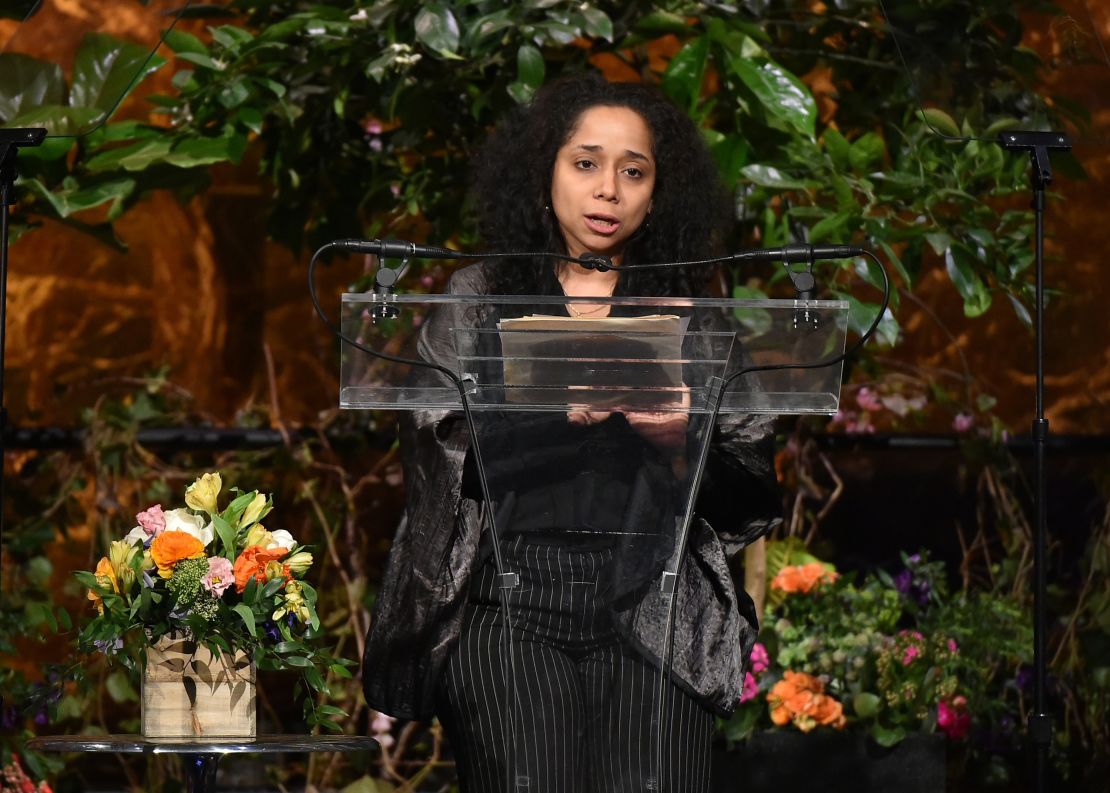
{"x": 1039, "y": 144}
{"x": 10, "y": 142}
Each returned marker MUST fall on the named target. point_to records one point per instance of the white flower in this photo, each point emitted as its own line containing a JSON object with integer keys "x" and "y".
{"x": 181, "y": 520}
{"x": 281, "y": 539}
{"x": 137, "y": 535}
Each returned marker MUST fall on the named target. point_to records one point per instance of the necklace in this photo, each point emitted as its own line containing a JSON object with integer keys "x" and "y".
{"x": 594, "y": 310}
{"x": 575, "y": 312}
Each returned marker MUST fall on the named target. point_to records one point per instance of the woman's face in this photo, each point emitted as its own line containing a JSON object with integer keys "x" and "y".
{"x": 603, "y": 180}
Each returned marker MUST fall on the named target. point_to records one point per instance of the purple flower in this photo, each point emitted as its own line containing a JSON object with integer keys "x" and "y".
{"x": 867, "y": 400}
{"x": 903, "y": 582}
{"x": 963, "y": 422}
{"x": 271, "y": 631}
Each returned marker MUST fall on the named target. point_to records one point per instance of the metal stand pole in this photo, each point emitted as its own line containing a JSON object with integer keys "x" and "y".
{"x": 1039, "y": 144}
{"x": 10, "y": 142}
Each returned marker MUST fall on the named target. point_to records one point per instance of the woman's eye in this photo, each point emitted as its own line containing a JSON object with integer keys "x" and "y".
{"x": 635, "y": 173}
{"x": 584, "y": 165}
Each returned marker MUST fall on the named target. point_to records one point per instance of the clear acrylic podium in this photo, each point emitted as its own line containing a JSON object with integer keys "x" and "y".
{"x": 588, "y": 441}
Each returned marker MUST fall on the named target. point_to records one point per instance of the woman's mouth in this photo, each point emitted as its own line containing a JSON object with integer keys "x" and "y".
{"x": 602, "y": 224}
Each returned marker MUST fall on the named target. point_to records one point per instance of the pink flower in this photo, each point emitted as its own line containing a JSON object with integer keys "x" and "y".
{"x": 910, "y": 653}
{"x": 867, "y": 400}
{"x": 219, "y": 577}
{"x": 953, "y": 719}
{"x": 952, "y": 646}
{"x": 751, "y": 688}
{"x": 963, "y": 422}
{"x": 760, "y": 661}
{"x": 152, "y": 520}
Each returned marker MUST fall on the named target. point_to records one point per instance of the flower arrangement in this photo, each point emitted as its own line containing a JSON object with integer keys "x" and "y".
{"x": 219, "y": 578}
{"x": 891, "y": 654}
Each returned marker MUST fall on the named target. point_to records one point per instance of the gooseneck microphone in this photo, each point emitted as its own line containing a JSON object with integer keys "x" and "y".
{"x": 399, "y": 249}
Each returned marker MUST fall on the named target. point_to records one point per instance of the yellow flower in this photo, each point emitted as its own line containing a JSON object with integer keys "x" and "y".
{"x": 275, "y": 569}
{"x": 120, "y": 554}
{"x": 254, "y": 511}
{"x": 106, "y": 577}
{"x": 299, "y": 562}
{"x": 294, "y": 603}
{"x": 258, "y": 536}
{"x": 201, "y": 495}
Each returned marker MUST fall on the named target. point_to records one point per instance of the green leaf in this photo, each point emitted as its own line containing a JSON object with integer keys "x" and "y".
{"x": 243, "y": 610}
{"x": 893, "y": 258}
{"x": 866, "y": 704}
{"x": 866, "y": 152}
{"x": 340, "y": 671}
{"x": 200, "y": 59}
{"x": 831, "y": 227}
{"x": 731, "y": 154}
{"x": 119, "y": 687}
{"x": 659, "y": 23}
{"x": 960, "y": 262}
{"x": 226, "y": 534}
{"x": 780, "y": 93}
{"x": 887, "y": 736}
{"x": 298, "y": 661}
{"x": 683, "y": 78}
{"x": 134, "y": 157}
{"x": 598, "y": 24}
{"x": 757, "y": 320}
{"x": 861, "y": 315}
{"x": 437, "y": 27}
{"x": 27, "y": 83}
{"x": 67, "y": 202}
{"x": 940, "y": 122}
{"x": 529, "y": 66}
{"x": 769, "y": 176}
{"x": 838, "y": 149}
{"x": 230, "y": 36}
{"x": 194, "y": 152}
{"x": 179, "y": 41}
{"x": 107, "y": 69}
{"x": 315, "y": 679}
{"x": 58, "y": 120}
{"x": 522, "y": 94}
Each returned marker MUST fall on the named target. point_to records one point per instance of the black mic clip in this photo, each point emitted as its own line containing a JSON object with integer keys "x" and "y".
{"x": 385, "y": 289}
{"x": 596, "y": 261}
{"x": 805, "y": 285}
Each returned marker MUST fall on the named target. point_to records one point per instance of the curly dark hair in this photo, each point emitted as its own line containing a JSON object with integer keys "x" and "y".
{"x": 511, "y": 191}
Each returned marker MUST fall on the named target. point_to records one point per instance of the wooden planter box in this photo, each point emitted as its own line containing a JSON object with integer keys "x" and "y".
{"x": 830, "y": 762}
{"x": 189, "y": 692}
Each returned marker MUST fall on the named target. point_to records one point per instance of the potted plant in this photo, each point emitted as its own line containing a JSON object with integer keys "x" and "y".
{"x": 872, "y": 678}
{"x": 197, "y": 598}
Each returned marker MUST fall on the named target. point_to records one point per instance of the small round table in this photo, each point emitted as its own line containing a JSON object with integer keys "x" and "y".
{"x": 201, "y": 756}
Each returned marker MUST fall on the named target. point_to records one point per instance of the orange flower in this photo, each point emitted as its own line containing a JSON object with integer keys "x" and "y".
{"x": 105, "y": 576}
{"x": 170, "y": 547}
{"x": 803, "y": 577}
{"x": 801, "y": 699}
{"x": 252, "y": 564}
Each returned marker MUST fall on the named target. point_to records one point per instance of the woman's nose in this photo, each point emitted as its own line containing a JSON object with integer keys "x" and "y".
{"x": 606, "y": 188}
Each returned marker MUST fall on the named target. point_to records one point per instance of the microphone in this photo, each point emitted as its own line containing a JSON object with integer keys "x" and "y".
{"x": 798, "y": 253}
{"x": 398, "y": 249}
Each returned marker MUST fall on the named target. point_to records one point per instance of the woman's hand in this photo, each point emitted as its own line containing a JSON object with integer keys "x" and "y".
{"x": 665, "y": 431}
{"x": 585, "y": 418}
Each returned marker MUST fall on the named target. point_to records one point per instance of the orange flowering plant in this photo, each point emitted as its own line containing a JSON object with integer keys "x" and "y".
{"x": 218, "y": 577}
{"x": 886, "y": 654}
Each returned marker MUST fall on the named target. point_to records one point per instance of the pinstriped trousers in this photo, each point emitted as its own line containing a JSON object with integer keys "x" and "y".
{"x": 584, "y": 717}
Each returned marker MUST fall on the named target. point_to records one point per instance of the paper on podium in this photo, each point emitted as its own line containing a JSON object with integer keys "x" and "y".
{"x": 631, "y": 362}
